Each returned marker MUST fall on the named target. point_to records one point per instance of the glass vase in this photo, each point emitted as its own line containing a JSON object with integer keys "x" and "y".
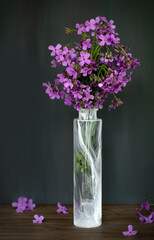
{"x": 87, "y": 196}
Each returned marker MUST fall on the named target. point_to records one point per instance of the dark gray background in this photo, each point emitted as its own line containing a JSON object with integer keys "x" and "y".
{"x": 36, "y": 132}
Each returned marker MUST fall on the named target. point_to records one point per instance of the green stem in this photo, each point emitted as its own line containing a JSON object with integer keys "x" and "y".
{"x": 115, "y": 97}
{"x": 93, "y": 43}
{"x": 98, "y": 48}
{"x": 102, "y": 67}
{"x": 69, "y": 44}
{"x": 122, "y": 50}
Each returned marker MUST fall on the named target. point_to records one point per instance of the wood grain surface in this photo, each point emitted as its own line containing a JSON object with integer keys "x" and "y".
{"x": 116, "y": 218}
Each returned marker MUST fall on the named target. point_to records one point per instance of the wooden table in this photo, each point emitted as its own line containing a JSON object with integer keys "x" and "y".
{"x": 56, "y": 226}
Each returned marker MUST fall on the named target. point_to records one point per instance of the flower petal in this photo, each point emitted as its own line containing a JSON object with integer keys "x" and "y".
{"x": 41, "y": 218}
{"x": 39, "y": 222}
{"x": 14, "y": 204}
{"x": 125, "y": 233}
{"x": 59, "y": 205}
{"x": 130, "y": 227}
{"x": 134, "y": 232}
{"x": 34, "y": 221}
{"x": 65, "y": 212}
{"x": 59, "y": 211}
{"x": 36, "y": 216}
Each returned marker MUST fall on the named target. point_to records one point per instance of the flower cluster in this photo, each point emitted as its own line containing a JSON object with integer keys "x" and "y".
{"x": 24, "y": 205}
{"x": 144, "y": 215}
{"x": 95, "y": 67}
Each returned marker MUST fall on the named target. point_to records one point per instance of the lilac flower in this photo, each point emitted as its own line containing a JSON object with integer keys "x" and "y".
{"x": 54, "y": 63}
{"x": 38, "y": 219}
{"x": 146, "y": 205}
{"x": 30, "y": 205}
{"x": 105, "y": 39}
{"x": 77, "y": 94}
{"x": 149, "y": 219}
{"x": 86, "y": 71}
{"x": 70, "y": 70}
{"x": 76, "y": 106}
{"x": 61, "y": 208}
{"x": 68, "y": 83}
{"x": 54, "y": 94}
{"x": 121, "y": 75}
{"x": 54, "y": 49}
{"x": 90, "y": 25}
{"x": 73, "y": 53}
{"x": 68, "y": 100}
{"x": 48, "y": 87}
{"x": 88, "y": 105}
{"x": 59, "y": 57}
{"x": 115, "y": 103}
{"x": 62, "y": 78}
{"x": 141, "y": 218}
{"x": 81, "y": 28}
{"x": 109, "y": 39}
{"x": 84, "y": 58}
{"x": 130, "y": 231}
{"x": 86, "y": 44}
{"x": 87, "y": 96}
{"x": 116, "y": 40}
{"x": 23, "y": 205}
{"x": 110, "y": 24}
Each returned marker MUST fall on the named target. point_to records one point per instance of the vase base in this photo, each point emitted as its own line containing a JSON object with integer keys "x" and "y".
{"x": 87, "y": 224}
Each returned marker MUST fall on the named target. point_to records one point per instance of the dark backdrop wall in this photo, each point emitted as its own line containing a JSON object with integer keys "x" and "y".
{"x": 36, "y": 132}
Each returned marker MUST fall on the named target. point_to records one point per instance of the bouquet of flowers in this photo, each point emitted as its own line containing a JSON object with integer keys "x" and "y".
{"x": 95, "y": 67}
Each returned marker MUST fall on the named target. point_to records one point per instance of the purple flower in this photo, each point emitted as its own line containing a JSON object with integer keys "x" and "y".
{"x": 54, "y": 94}
{"x": 116, "y": 40}
{"x": 61, "y": 208}
{"x": 84, "y": 58}
{"x": 149, "y": 219}
{"x": 105, "y": 39}
{"x": 48, "y": 87}
{"x": 38, "y": 219}
{"x": 116, "y": 102}
{"x": 130, "y": 231}
{"x": 76, "y": 106}
{"x": 111, "y": 24}
{"x": 90, "y": 25}
{"x": 54, "y": 49}
{"x": 110, "y": 39}
{"x": 81, "y": 28}
{"x": 54, "y": 63}
{"x": 86, "y": 44}
{"x": 24, "y": 205}
{"x": 30, "y": 205}
{"x": 146, "y": 205}
{"x": 121, "y": 75}
{"x": 87, "y": 96}
{"x": 59, "y": 57}
{"x": 68, "y": 100}
{"x": 68, "y": 83}
{"x": 70, "y": 70}
{"x": 77, "y": 94}
{"x": 86, "y": 71}
{"x": 146, "y": 220}
{"x": 141, "y": 218}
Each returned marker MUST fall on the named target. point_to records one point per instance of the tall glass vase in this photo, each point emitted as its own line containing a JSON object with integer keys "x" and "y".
{"x": 87, "y": 197}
